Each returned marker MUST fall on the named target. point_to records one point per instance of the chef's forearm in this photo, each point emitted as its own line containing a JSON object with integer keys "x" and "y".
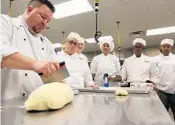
{"x": 116, "y": 78}
{"x": 18, "y": 61}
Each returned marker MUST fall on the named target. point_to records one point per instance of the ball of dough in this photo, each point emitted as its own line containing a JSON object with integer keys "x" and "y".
{"x": 121, "y": 98}
{"x": 121, "y": 92}
{"x": 49, "y": 96}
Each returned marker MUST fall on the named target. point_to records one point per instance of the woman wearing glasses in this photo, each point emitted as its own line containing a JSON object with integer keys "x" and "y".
{"x": 79, "y": 77}
{"x": 80, "y": 48}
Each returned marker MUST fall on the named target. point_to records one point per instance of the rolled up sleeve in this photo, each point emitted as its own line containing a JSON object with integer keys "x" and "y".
{"x": 6, "y": 37}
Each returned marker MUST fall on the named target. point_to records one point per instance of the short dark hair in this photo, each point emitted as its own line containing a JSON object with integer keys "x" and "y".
{"x": 37, "y": 3}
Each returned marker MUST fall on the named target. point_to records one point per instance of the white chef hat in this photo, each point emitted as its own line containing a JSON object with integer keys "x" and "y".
{"x": 167, "y": 41}
{"x": 139, "y": 40}
{"x": 73, "y": 35}
{"x": 81, "y": 40}
{"x": 108, "y": 41}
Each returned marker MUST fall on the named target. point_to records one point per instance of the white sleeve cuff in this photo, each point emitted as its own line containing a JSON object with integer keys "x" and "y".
{"x": 8, "y": 50}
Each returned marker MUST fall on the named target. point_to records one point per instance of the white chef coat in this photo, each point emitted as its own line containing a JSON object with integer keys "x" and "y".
{"x": 15, "y": 37}
{"x": 82, "y": 57}
{"x": 139, "y": 69}
{"x": 102, "y": 64}
{"x": 166, "y": 66}
{"x": 80, "y": 76}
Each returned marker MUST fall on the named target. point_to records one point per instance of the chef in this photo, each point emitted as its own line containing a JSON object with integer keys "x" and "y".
{"x": 138, "y": 67}
{"x": 165, "y": 62}
{"x": 80, "y": 77}
{"x": 80, "y": 48}
{"x": 105, "y": 62}
{"x": 22, "y": 44}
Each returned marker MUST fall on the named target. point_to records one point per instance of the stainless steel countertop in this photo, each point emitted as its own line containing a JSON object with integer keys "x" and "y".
{"x": 93, "y": 109}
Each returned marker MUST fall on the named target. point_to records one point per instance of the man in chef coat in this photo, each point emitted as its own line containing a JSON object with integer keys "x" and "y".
{"x": 22, "y": 45}
{"x": 138, "y": 67}
{"x": 78, "y": 69}
{"x": 165, "y": 62}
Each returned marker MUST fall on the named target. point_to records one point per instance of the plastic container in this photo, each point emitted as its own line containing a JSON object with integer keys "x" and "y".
{"x": 106, "y": 81}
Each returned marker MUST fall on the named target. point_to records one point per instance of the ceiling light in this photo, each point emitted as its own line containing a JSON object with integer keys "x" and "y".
{"x": 92, "y": 40}
{"x": 72, "y": 7}
{"x": 159, "y": 31}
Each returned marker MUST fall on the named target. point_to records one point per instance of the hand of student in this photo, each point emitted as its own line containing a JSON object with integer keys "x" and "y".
{"x": 152, "y": 84}
{"x": 115, "y": 78}
{"x": 94, "y": 86}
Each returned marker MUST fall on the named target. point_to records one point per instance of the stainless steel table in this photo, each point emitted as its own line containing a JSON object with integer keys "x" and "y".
{"x": 93, "y": 109}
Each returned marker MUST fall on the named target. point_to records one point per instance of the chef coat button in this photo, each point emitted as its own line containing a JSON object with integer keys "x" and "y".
{"x": 42, "y": 48}
{"x": 23, "y": 94}
{"x": 24, "y": 39}
{"x": 20, "y": 25}
{"x": 25, "y": 74}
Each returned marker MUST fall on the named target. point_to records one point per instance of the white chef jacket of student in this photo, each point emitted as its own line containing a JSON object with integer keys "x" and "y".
{"x": 15, "y": 37}
{"x": 102, "y": 64}
{"x": 78, "y": 70}
{"x": 166, "y": 66}
{"x": 82, "y": 57}
{"x": 139, "y": 69}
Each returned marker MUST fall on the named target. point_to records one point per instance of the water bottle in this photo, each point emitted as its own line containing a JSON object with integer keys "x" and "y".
{"x": 106, "y": 82}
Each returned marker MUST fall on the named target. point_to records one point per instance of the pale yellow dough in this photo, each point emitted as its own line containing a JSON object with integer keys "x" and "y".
{"x": 121, "y": 92}
{"x": 121, "y": 98}
{"x": 49, "y": 96}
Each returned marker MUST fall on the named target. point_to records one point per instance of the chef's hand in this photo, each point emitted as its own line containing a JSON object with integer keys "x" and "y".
{"x": 110, "y": 78}
{"x": 45, "y": 67}
{"x": 115, "y": 78}
{"x": 152, "y": 84}
{"x": 94, "y": 86}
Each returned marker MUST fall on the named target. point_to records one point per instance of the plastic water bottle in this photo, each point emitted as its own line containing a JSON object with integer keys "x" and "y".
{"x": 106, "y": 82}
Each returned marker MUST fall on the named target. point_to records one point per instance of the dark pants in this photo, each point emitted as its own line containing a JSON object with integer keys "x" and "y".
{"x": 168, "y": 100}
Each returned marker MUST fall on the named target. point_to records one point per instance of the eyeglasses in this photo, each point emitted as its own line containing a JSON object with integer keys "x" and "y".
{"x": 80, "y": 44}
{"x": 138, "y": 47}
{"x": 71, "y": 42}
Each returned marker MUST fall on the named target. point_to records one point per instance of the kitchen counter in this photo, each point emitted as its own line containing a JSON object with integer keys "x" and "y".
{"x": 92, "y": 109}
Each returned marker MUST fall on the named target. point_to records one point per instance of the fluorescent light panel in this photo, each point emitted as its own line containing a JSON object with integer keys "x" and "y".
{"x": 92, "y": 40}
{"x": 72, "y": 7}
{"x": 57, "y": 45}
{"x": 159, "y": 31}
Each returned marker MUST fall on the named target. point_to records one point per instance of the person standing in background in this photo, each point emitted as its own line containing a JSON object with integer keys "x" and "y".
{"x": 79, "y": 77}
{"x": 139, "y": 68}
{"x": 80, "y": 48}
{"x": 105, "y": 63}
{"x": 165, "y": 62}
